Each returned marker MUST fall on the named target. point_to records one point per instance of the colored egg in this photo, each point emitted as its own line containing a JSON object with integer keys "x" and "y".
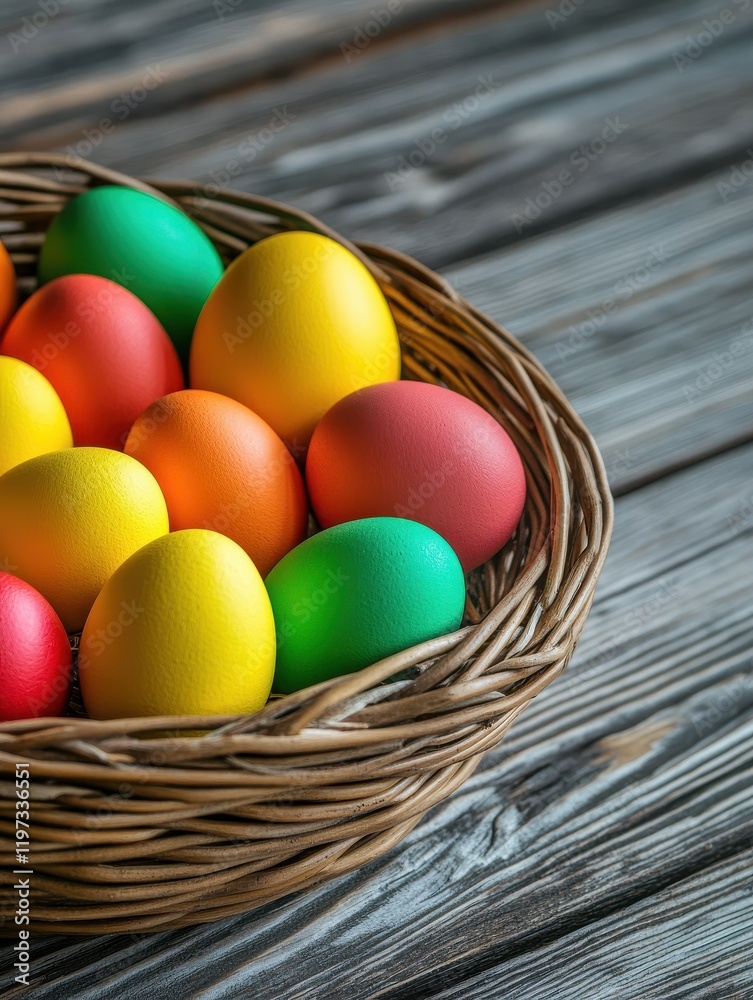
{"x": 415, "y": 450}
{"x": 296, "y": 323}
{"x": 32, "y": 418}
{"x": 36, "y": 666}
{"x": 221, "y": 467}
{"x": 104, "y": 352}
{"x": 358, "y": 592}
{"x": 8, "y": 292}
{"x": 68, "y": 519}
{"x": 145, "y": 244}
{"x": 184, "y": 627}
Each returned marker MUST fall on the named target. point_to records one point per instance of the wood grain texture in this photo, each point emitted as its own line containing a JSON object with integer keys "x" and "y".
{"x": 654, "y": 344}
{"x": 629, "y": 775}
{"x": 64, "y": 69}
{"x": 548, "y": 93}
{"x": 603, "y": 850}
{"x": 695, "y": 939}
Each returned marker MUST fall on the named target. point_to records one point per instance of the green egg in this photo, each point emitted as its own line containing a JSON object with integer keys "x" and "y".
{"x": 151, "y": 248}
{"x": 358, "y": 592}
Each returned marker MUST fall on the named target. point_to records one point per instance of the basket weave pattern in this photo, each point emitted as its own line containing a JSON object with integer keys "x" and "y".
{"x": 142, "y": 824}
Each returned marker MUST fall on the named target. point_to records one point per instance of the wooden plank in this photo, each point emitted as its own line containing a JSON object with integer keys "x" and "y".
{"x": 643, "y": 316}
{"x": 71, "y": 66}
{"x": 627, "y": 776}
{"x": 551, "y": 93}
{"x": 632, "y": 772}
{"x": 693, "y": 940}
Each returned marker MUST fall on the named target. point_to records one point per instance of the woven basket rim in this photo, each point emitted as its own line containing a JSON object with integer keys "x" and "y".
{"x": 456, "y": 695}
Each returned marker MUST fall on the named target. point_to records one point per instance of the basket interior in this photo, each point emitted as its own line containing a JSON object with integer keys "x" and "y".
{"x": 323, "y": 779}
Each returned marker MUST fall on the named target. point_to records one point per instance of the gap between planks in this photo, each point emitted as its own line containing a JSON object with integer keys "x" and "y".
{"x": 664, "y": 950}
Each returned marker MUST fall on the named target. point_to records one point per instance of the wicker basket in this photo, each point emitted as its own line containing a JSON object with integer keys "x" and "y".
{"x": 135, "y": 830}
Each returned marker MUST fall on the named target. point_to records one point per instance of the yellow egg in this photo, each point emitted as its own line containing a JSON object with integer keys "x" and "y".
{"x": 32, "y": 418}
{"x": 68, "y": 519}
{"x": 184, "y": 627}
{"x": 296, "y": 323}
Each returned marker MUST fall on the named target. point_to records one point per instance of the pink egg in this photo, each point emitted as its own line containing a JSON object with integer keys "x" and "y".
{"x": 419, "y": 451}
{"x": 36, "y": 666}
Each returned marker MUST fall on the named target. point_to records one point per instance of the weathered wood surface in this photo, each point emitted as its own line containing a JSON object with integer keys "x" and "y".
{"x": 352, "y": 124}
{"x": 65, "y": 69}
{"x": 693, "y": 939}
{"x": 604, "y": 849}
{"x": 645, "y": 317}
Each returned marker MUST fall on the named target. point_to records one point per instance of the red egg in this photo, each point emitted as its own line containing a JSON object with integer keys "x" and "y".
{"x": 419, "y": 451}
{"x": 105, "y": 353}
{"x": 36, "y": 666}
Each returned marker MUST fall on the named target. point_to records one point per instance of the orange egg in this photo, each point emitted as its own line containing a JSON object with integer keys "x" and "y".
{"x": 220, "y": 466}
{"x": 8, "y": 292}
